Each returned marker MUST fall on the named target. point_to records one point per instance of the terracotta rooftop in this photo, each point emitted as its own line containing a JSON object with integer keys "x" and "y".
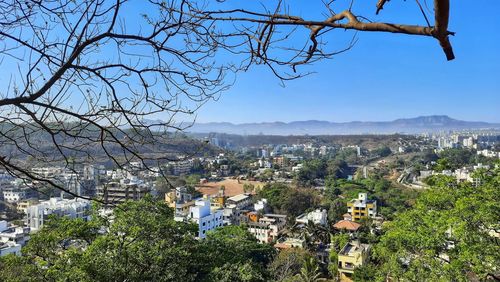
{"x": 346, "y": 224}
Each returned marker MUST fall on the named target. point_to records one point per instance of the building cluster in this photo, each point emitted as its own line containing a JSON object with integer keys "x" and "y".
{"x": 464, "y": 174}
{"x": 215, "y": 211}
{"x": 13, "y": 237}
{"x": 211, "y": 212}
{"x": 473, "y": 140}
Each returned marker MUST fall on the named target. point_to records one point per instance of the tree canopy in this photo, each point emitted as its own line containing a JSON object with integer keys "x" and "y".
{"x": 451, "y": 234}
{"x": 141, "y": 242}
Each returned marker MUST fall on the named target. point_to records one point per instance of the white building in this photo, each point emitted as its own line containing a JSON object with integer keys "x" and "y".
{"x": 489, "y": 153}
{"x": 268, "y": 228}
{"x": 12, "y": 238}
{"x": 74, "y": 208}
{"x": 206, "y": 218}
{"x": 240, "y": 201}
{"x": 13, "y": 195}
{"x": 317, "y": 217}
{"x": 260, "y": 205}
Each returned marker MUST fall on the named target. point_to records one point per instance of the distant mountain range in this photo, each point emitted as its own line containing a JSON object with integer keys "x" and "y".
{"x": 420, "y": 124}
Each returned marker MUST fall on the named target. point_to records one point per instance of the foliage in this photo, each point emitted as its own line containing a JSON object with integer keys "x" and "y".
{"x": 454, "y": 158}
{"x": 382, "y": 151}
{"x": 193, "y": 180}
{"x": 321, "y": 169}
{"x": 287, "y": 264}
{"x": 447, "y": 235}
{"x": 241, "y": 272}
{"x": 292, "y": 201}
{"x": 311, "y": 170}
{"x": 310, "y": 271}
{"x": 365, "y": 273}
{"x": 141, "y": 243}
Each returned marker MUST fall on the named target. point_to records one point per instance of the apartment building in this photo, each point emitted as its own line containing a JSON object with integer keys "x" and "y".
{"x": 180, "y": 200}
{"x": 12, "y": 238}
{"x": 317, "y": 216}
{"x": 267, "y": 228}
{"x": 353, "y": 254}
{"x": 362, "y": 207}
{"x": 240, "y": 201}
{"x": 126, "y": 189}
{"x": 206, "y": 218}
{"x": 74, "y": 208}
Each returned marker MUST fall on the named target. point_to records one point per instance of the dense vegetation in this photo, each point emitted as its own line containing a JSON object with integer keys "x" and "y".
{"x": 455, "y": 158}
{"x": 288, "y": 200}
{"x": 451, "y": 234}
{"x": 141, "y": 243}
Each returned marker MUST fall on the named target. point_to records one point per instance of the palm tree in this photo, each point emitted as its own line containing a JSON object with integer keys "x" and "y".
{"x": 314, "y": 234}
{"x": 310, "y": 271}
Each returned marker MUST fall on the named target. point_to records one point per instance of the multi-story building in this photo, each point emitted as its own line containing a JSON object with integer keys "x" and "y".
{"x": 15, "y": 194}
{"x": 12, "y": 238}
{"x": 74, "y": 208}
{"x": 181, "y": 167}
{"x": 268, "y": 228}
{"x": 180, "y": 200}
{"x": 126, "y": 189}
{"x": 353, "y": 254}
{"x": 362, "y": 207}
{"x": 240, "y": 201}
{"x": 22, "y": 206}
{"x": 260, "y": 205}
{"x": 317, "y": 217}
{"x": 206, "y": 218}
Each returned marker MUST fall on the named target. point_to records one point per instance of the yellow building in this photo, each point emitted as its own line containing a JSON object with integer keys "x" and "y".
{"x": 180, "y": 200}
{"x": 362, "y": 207}
{"x": 352, "y": 255}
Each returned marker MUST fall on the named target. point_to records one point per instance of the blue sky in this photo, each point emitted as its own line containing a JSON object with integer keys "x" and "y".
{"x": 384, "y": 77}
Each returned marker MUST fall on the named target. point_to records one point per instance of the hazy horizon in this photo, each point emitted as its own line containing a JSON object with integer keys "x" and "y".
{"x": 347, "y": 121}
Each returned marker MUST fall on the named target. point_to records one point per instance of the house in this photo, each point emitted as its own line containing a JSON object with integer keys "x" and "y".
{"x": 268, "y": 228}
{"x": 22, "y": 206}
{"x": 180, "y": 200}
{"x": 362, "y": 207}
{"x": 74, "y": 208}
{"x": 347, "y": 225}
{"x": 15, "y": 194}
{"x": 317, "y": 217}
{"x": 12, "y": 238}
{"x": 353, "y": 254}
{"x": 290, "y": 242}
{"x": 347, "y": 216}
{"x": 260, "y": 205}
{"x": 240, "y": 201}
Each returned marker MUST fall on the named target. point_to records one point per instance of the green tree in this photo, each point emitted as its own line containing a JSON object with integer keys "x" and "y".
{"x": 448, "y": 235}
{"x": 288, "y": 263}
{"x": 240, "y": 272}
{"x": 310, "y": 271}
{"x": 193, "y": 180}
{"x": 142, "y": 242}
{"x": 365, "y": 273}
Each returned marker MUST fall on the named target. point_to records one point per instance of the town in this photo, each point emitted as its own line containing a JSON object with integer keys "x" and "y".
{"x": 331, "y": 199}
